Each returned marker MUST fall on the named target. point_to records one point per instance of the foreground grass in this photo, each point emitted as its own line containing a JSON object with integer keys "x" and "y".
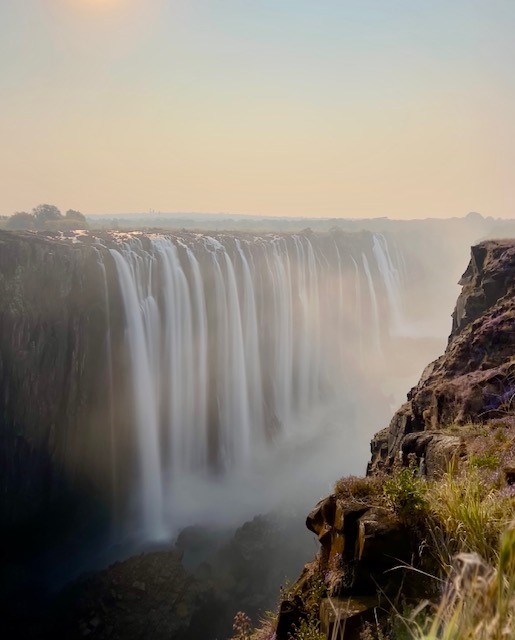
{"x": 471, "y": 535}
{"x": 464, "y": 523}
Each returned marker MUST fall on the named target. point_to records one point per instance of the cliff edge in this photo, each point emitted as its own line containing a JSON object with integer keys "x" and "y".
{"x": 460, "y": 416}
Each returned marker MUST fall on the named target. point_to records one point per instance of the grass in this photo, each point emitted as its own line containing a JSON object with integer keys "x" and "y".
{"x": 482, "y": 607}
{"x": 487, "y": 460}
{"x": 464, "y": 523}
{"x": 366, "y": 490}
{"x": 471, "y": 534}
{"x": 405, "y": 493}
{"x": 467, "y": 514}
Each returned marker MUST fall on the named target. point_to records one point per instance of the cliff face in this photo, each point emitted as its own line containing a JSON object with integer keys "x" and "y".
{"x": 115, "y": 352}
{"x": 361, "y": 539}
{"x": 52, "y": 373}
{"x": 474, "y": 379}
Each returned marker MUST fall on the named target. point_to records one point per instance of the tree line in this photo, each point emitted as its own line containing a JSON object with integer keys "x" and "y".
{"x": 46, "y": 217}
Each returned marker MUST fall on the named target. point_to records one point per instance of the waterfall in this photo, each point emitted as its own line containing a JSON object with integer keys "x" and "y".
{"x": 357, "y": 306}
{"x": 233, "y": 341}
{"x": 376, "y": 330}
{"x": 145, "y": 407}
{"x": 392, "y": 282}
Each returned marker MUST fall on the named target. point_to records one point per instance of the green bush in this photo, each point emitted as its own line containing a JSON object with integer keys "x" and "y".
{"x": 405, "y": 493}
{"x": 486, "y": 460}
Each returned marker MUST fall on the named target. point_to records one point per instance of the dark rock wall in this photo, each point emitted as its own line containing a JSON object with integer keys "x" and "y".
{"x": 53, "y": 375}
{"x": 473, "y": 379}
{"x": 66, "y": 409}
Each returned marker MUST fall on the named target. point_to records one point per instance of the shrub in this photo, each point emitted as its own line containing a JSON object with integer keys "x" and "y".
{"x": 405, "y": 493}
{"x": 308, "y": 630}
{"x": 486, "y": 460}
{"x": 358, "y": 489}
{"x": 21, "y": 221}
{"x": 242, "y": 627}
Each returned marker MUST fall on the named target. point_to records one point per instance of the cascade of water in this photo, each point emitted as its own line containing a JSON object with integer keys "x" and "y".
{"x": 303, "y": 359}
{"x": 144, "y": 401}
{"x": 358, "y": 310}
{"x": 315, "y": 322}
{"x": 281, "y": 280}
{"x": 200, "y": 366}
{"x": 222, "y": 381}
{"x": 233, "y": 341}
{"x": 237, "y": 392}
{"x": 252, "y": 348}
{"x": 391, "y": 280}
{"x": 376, "y": 333}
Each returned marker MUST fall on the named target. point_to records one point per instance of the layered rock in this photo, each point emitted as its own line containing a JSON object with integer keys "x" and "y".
{"x": 52, "y": 374}
{"x": 472, "y": 382}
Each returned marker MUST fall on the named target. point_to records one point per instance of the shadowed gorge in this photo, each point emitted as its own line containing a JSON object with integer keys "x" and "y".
{"x": 152, "y": 381}
{"x": 232, "y": 236}
{"x": 129, "y": 360}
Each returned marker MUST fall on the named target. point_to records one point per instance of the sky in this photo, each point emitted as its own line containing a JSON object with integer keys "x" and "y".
{"x": 330, "y": 108}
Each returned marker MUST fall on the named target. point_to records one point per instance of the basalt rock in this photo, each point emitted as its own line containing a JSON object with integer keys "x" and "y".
{"x": 473, "y": 381}
{"x": 53, "y": 376}
{"x": 359, "y": 543}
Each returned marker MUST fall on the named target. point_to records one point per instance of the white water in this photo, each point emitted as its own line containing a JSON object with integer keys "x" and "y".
{"x": 392, "y": 282}
{"x": 235, "y": 342}
{"x": 144, "y": 388}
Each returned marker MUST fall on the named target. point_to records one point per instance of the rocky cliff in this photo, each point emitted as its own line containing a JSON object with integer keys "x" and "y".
{"x": 474, "y": 380}
{"x": 363, "y": 539}
{"x": 52, "y": 373}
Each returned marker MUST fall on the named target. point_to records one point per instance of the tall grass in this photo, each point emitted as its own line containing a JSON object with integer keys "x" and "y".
{"x": 479, "y": 605}
{"x": 467, "y": 514}
{"x": 471, "y": 530}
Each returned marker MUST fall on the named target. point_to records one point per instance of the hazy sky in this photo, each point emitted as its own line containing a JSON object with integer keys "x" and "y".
{"x": 403, "y": 108}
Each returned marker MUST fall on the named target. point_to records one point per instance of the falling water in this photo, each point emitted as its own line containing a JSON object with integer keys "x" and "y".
{"x": 232, "y": 341}
{"x": 376, "y": 329}
{"x": 392, "y": 282}
{"x": 143, "y": 380}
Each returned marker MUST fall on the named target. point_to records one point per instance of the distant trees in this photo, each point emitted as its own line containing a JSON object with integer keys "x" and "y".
{"x": 71, "y": 214}
{"x": 21, "y": 220}
{"x": 46, "y": 217}
{"x": 46, "y": 212}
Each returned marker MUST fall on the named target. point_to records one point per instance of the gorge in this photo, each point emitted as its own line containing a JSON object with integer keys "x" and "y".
{"x": 130, "y": 360}
{"x": 155, "y": 380}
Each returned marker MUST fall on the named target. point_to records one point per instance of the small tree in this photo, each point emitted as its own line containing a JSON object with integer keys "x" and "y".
{"x": 71, "y": 214}
{"x": 21, "y": 220}
{"x": 45, "y": 213}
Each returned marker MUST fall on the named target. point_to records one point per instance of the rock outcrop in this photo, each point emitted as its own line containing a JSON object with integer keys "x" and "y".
{"x": 473, "y": 382}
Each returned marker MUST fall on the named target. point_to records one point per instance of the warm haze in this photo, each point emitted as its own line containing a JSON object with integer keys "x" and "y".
{"x": 359, "y": 108}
